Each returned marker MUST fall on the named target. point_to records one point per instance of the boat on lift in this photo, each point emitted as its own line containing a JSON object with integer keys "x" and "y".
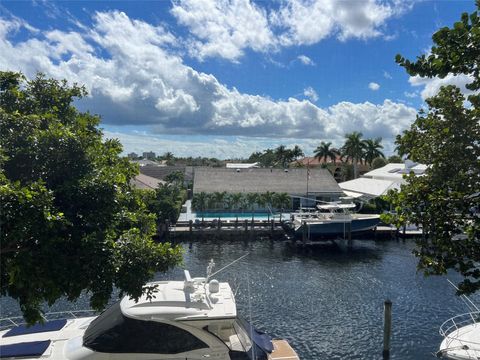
{"x": 191, "y": 319}
{"x": 332, "y": 219}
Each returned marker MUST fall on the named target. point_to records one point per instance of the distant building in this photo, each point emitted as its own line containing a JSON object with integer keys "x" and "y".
{"x": 336, "y": 167}
{"x": 241, "y": 165}
{"x": 146, "y": 162}
{"x": 149, "y": 155}
{"x": 161, "y": 171}
{"x": 132, "y": 156}
{"x": 319, "y": 184}
{"x": 142, "y": 181}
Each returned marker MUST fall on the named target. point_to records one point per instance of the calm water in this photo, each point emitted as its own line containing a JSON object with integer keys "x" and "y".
{"x": 328, "y": 304}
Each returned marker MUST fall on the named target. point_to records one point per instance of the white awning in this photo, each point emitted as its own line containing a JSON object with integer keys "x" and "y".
{"x": 366, "y": 187}
{"x": 352, "y": 194}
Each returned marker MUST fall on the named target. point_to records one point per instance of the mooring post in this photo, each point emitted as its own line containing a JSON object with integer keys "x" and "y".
{"x": 246, "y": 225}
{"x": 190, "y": 226}
{"x": 387, "y": 328}
{"x": 304, "y": 232}
{"x": 349, "y": 235}
{"x": 272, "y": 226}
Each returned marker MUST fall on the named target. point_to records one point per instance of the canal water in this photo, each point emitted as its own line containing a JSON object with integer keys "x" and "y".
{"x": 327, "y": 303}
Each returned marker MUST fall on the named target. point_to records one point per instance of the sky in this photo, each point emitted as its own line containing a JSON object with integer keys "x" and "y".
{"x": 227, "y": 78}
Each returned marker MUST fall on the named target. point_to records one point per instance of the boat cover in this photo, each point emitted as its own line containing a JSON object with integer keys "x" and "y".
{"x": 25, "y": 349}
{"x": 53, "y": 325}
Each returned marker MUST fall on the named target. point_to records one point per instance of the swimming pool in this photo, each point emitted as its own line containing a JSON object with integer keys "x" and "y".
{"x": 234, "y": 215}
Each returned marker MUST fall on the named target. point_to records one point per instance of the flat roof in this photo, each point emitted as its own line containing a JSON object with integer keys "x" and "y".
{"x": 368, "y": 187}
{"x": 291, "y": 181}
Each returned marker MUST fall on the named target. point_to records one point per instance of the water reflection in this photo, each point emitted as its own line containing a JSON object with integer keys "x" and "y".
{"x": 328, "y": 302}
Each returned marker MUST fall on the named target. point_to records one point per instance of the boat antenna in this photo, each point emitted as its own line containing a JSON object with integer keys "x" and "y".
{"x": 252, "y": 344}
{"x": 210, "y": 269}
{"x": 465, "y": 298}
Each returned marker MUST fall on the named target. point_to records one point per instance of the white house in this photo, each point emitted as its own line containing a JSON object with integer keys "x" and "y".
{"x": 379, "y": 181}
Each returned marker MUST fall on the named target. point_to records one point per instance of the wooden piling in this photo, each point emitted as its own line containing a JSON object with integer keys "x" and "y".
{"x": 190, "y": 226}
{"x": 304, "y": 232}
{"x": 387, "y": 328}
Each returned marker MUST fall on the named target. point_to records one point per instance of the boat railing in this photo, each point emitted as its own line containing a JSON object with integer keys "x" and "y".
{"x": 9, "y": 322}
{"x": 456, "y": 322}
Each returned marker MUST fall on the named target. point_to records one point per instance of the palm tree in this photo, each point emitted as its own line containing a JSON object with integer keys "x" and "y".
{"x": 252, "y": 199}
{"x": 281, "y": 154}
{"x": 297, "y": 152}
{"x": 236, "y": 201}
{"x": 281, "y": 201}
{"x": 199, "y": 202}
{"x": 265, "y": 200}
{"x": 372, "y": 149}
{"x": 323, "y": 151}
{"x": 354, "y": 149}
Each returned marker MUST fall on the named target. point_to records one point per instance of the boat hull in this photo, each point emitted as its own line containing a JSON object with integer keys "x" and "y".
{"x": 332, "y": 228}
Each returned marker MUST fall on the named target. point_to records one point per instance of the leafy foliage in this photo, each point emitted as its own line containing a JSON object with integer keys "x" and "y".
{"x": 69, "y": 220}
{"x": 447, "y": 138}
{"x": 324, "y": 151}
{"x": 280, "y": 157}
{"x": 240, "y": 201}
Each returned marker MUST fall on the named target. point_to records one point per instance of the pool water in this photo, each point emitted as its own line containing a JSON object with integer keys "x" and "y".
{"x": 234, "y": 216}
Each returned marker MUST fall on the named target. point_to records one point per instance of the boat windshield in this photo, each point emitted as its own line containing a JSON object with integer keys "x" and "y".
{"x": 113, "y": 332}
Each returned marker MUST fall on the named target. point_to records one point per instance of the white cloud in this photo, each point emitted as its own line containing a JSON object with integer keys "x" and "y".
{"x": 431, "y": 86}
{"x": 373, "y": 86}
{"x": 310, "y": 93}
{"x": 387, "y": 75}
{"x": 411, "y": 95}
{"x": 305, "y": 60}
{"x": 226, "y": 28}
{"x": 134, "y": 78}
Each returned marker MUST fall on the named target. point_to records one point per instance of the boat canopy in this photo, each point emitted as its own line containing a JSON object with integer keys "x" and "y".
{"x": 113, "y": 332}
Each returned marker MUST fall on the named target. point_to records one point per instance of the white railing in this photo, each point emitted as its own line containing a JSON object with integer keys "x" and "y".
{"x": 456, "y": 322}
{"x": 9, "y": 322}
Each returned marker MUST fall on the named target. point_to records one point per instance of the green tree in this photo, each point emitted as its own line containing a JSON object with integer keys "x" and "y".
{"x": 378, "y": 162}
{"x": 297, "y": 152}
{"x": 251, "y": 200}
{"x": 176, "y": 177}
{"x": 446, "y": 137}
{"x": 282, "y": 201}
{"x": 372, "y": 149}
{"x": 353, "y": 149}
{"x": 66, "y": 203}
{"x": 199, "y": 202}
{"x": 324, "y": 151}
{"x": 395, "y": 159}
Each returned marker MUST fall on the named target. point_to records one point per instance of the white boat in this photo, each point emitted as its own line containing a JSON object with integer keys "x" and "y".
{"x": 191, "y": 319}
{"x": 332, "y": 219}
{"x": 461, "y": 337}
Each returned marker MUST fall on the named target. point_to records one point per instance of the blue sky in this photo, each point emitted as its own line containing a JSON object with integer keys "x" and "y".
{"x": 205, "y": 78}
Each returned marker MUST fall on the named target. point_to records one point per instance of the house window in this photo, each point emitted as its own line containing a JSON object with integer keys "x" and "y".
{"x": 112, "y": 332}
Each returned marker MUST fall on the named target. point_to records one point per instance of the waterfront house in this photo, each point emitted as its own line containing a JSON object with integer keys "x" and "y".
{"x": 379, "y": 181}
{"x": 299, "y": 184}
{"x": 146, "y": 182}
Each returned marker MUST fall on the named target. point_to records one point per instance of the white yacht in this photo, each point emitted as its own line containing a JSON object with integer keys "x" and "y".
{"x": 461, "y": 337}
{"x": 192, "y": 319}
{"x": 332, "y": 219}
